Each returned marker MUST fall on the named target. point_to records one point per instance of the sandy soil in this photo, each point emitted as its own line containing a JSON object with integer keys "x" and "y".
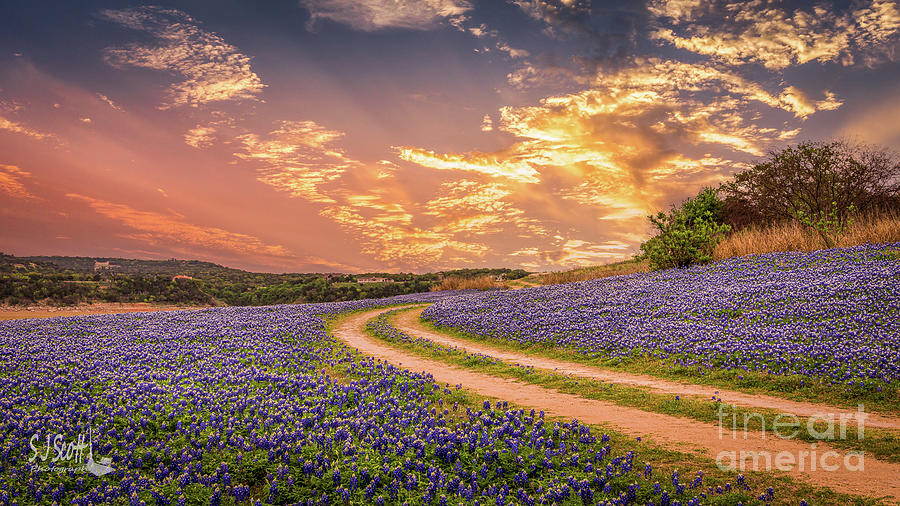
{"x": 408, "y": 322}
{"x": 521, "y": 283}
{"x": 16, "y": 313}
{"x": 878, "y": 479}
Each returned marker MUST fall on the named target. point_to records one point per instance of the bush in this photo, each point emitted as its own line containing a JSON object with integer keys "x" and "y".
{"x": 686, "y": 235}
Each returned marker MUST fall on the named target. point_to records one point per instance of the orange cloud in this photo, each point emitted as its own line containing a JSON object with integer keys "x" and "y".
{"x": 155, "y": 228}
{"x": 200, "y": 136}
{"x": 108, "y": 101}
{"x": 297, "y": 158}
{"x": 213, "y": 70}
{"x": 394, "y": 242}
{"x": 487, "y": 124}
{"x": 614, "y": 150}
{"x": 491, "y": 165}
{"x": 18, "y": 128}
{"x": 11, "y": 182}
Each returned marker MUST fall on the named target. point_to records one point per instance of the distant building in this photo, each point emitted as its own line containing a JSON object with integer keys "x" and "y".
{"x": 372, "y": 279}
{"x": 18, "y": 266}
{"x": 181, "y": 277}
{"x": 104, "y": 266}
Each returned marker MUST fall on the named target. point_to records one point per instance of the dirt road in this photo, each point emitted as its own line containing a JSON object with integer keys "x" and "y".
{"x": 879, "y": 479}
{"x": 408, "y": 321}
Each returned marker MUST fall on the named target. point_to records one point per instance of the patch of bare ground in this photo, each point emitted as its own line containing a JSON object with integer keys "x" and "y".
{"x": 18, "y": 312}
{"x": 878, "y": 479}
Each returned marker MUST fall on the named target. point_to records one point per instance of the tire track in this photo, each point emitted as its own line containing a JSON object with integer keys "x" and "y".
{"x": 408, "y": 322}
{"x": 879, "y": 479}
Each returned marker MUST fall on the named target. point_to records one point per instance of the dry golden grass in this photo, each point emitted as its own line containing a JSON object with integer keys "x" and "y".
{"x": 594, "y": 272}
{"x": 877, "y": 228}
{"x": 460, "y": 283}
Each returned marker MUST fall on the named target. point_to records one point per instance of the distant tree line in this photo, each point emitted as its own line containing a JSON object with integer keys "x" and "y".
{"x": 820, "y": 185}
{"x": 72, "y": 280}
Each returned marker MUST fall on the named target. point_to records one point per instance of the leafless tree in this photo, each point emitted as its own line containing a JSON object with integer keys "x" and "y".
{"x": 813, "y": 178}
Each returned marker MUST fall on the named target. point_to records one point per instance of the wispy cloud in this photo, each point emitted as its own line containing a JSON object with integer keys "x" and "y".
{"x": 487, "y": 124}
{"x": 200, "y": 136}
{"x": 108, "y": 101}
{"x": 297, "y": 158}
{"x": 371, "y": 15}
{"x": 498, "y": 165}
{"x": 11, "y": 184}
{"x": 18, "y": 128}
{"x": 213, "y": 70}
{"x": 172, "y": 229}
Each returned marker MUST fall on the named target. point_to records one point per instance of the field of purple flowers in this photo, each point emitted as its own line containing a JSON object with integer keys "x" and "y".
{"x": 831, "y": 317}
{"x": 259, "y": 405}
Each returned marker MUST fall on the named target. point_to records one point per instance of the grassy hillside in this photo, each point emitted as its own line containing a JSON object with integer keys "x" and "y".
{"x": 59, "y": 280}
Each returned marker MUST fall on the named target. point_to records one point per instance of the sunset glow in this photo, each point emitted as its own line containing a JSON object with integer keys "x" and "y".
{"x": 385, "y": 135}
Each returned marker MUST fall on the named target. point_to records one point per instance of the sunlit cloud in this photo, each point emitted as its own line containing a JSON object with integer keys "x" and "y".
{"x": 759, "y": 32}
{"x": 498, "y": 165}
{"x": 370, "y": 204}
{"x": 297, "y": 158}
{"x": 473, "y": 207}
{"x": 213, "y": 70}
{"x": 11, "y": 183}
{"x": 371, "y": 15}
{"x": 878, "y": 22}
{"x": 487, "y": 124}
{"x": 617, "y": 147}
{"x": 511, "y": 51}
{"x": 664, "y": 79}
{"x": 108, "y": 101}
{"x": 396, "y": 245}
{"x": 529, "y": 75}
{"x": 18, "y": 128}
{"x": 200, "y": 136}
{"x": 450, "y": 227}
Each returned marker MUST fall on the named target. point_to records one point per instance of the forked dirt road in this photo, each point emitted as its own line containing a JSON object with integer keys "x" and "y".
{"x": 408, "y": 322}
{"x": 879, "y": 479}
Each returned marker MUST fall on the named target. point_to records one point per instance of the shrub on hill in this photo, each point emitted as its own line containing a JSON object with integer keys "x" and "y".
{"x": 687, "y": 234}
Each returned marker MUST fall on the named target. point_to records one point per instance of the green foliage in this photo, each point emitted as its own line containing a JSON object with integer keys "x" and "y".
{"x": 686, "y": 235}
{"x": 828, "y": 226}
{"x": 72, "y": 280}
